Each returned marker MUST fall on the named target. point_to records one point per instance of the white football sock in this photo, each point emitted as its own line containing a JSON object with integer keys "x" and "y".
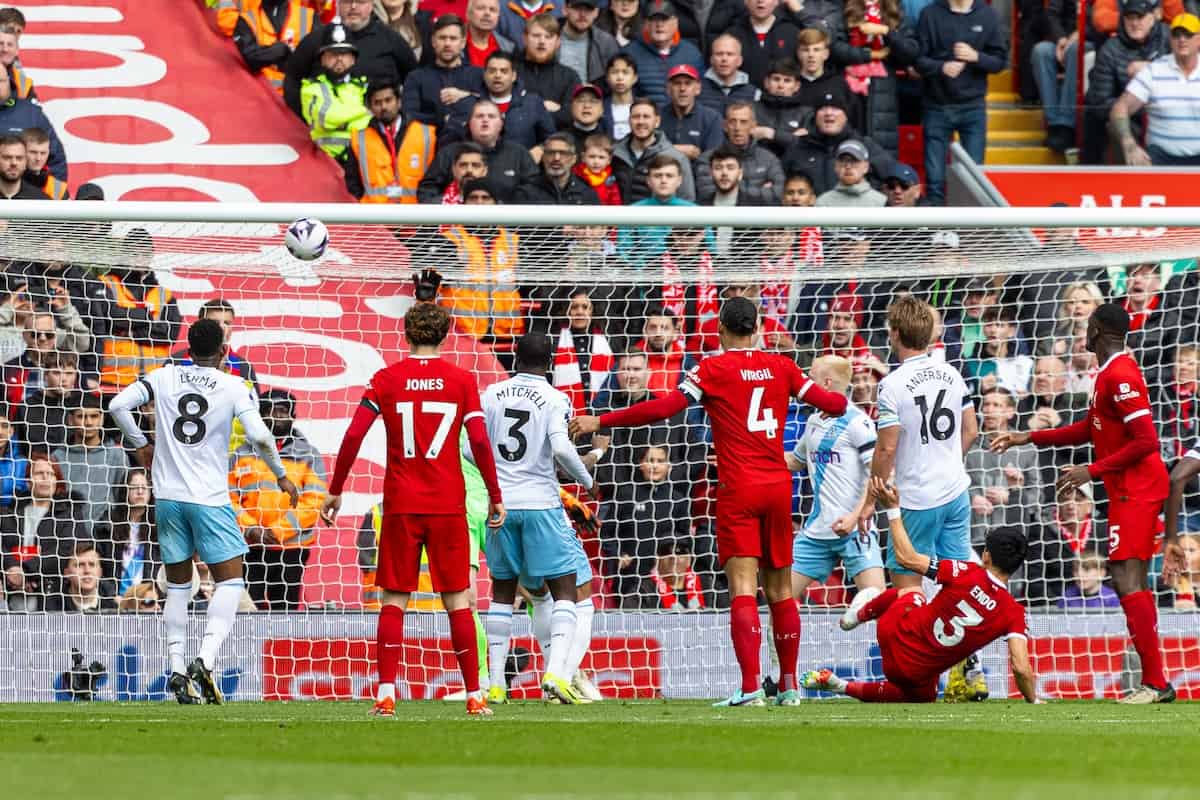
{"x": 562, "y": 629}
{"x": 498, "y": 624}
{"x": 387, "y": 691}
{"x": 221, "y": 611}
{"x": 175, "y": 618}
{"x": 581, "y": 640}
{"x": 543, "y": 607}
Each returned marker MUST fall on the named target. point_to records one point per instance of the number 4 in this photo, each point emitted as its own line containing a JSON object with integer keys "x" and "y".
{"x": 767, "y": 421}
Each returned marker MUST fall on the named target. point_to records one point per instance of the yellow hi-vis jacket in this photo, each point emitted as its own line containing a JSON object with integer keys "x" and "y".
{"x": 334, "y": 111}
{"x": 390, "y": 174}
{"x": 258, "y": 500}
{"x": 486, "y": 302}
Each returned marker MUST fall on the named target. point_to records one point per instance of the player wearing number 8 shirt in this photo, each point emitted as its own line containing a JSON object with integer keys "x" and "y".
{"x": 746, "y": 393}
{"x": 1120, "y": 426}
{"x": 424, "y": 402}
{"x": 195, "y": 406}
{"x": 919, "y": 639}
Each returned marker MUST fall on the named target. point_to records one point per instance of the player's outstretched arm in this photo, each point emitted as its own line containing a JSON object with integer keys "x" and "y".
{"x": 1022, "y": 669}
{"x": 1173, "y": 560}
{"x": 360, "y": 424}
{"x": 906, "y": 555}
{"x": 832, "y": 403}
{"x": 1064, "y": 436}
{"x": 643, "y": 413}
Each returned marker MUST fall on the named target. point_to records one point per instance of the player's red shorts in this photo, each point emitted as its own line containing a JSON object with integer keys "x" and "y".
{"x": 1132, "y": 528}
{"x": 756, "y": 522}
{"x": 890, "y": 630}
{"x": 445, "y": 539}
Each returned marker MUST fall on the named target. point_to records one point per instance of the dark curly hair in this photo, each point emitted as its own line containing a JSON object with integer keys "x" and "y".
{"x": 426, "y": 324}
{"x": 1008, "y": 547}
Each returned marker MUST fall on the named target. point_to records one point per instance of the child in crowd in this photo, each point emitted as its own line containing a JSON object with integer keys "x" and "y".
{"x": 596, "y": 169}
{"x": 621, "y": 76}
{"x": 1088, "y": 591}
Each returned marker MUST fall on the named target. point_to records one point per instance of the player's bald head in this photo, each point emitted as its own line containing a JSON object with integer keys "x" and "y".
{"x": 836, "y": 368}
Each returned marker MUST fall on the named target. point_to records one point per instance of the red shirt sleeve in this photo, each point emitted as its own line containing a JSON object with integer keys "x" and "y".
{"x": 950, "y": 570}
{"x": 1141, "y": 440}
{"x": 477, "y": 436}
{"x": 1125, "y": 393}
{"x": 360, "y": 424}
{"x": 1065, "y": 436}
{"x": 646, "y": 412}
{"x": 802, "y": 388}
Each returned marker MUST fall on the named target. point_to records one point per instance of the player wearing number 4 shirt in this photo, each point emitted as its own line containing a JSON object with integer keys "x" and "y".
{"x": 746, "y": 393}
{"x": 195, "y": 406}
{"x": 424, "y": 402}
{"x": 1121, "y": 429}
{"x": 920, "y": 639}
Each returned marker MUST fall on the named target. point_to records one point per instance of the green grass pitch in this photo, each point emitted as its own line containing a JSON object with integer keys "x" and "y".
{"x": 333, "y": 751}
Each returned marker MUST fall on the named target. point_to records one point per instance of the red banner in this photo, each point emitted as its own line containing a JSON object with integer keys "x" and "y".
{"x": 153, "y": 104}
{"x": 1096, "y": 187}
{"x": 344, "y": 669}
{"x": 1087, "y": 668}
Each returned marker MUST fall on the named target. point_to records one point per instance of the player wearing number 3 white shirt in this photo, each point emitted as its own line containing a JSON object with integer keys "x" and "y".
{"x": 926, "y": 424}
{"x": 194, "y": 407}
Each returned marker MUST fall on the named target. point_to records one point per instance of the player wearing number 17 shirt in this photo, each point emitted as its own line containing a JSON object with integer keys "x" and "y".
{"x": 918, "y": 638}
{"x": 424, "y": 402}
{"x": 1120, "y": 426}
{"x": 746, "y": 393}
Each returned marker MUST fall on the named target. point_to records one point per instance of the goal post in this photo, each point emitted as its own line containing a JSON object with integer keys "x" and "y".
{"x": 630, "y": 296}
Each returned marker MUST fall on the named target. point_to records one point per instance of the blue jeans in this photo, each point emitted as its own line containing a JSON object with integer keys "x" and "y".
{"x": 1058, "y": 99}
{"x": 940, "y": 123}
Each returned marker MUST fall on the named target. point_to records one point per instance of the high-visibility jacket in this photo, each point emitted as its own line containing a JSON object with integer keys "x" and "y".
{"x": 300, "y": 19}
{"x": 124, "y": 360}
{"x": 423, "y": 599}
{"x": 487, "y": 302}
{"x": 334, "y": 111}
{"x": 258, "y": 500}
{"x": 56, "y": 189}
{"x": 21, "y": 82}
{"x": 228, "y": 12}
{"x": 390, "y": 174}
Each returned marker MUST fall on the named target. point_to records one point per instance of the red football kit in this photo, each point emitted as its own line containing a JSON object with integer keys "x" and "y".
{"x": 425, "y": 402}
{"x": 1127, "y": 458}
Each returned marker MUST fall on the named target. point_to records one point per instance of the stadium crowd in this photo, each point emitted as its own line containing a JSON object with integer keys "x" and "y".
{"x": 667, "y": 102}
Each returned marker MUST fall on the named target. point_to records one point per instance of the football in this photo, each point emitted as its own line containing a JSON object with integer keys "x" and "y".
{"x": 306, "y": 239}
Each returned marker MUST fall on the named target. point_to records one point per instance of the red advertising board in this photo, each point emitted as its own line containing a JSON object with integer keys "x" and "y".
{"x": 344, "y": 669}
{"x": 1096, "y": 187}
{"x": 1087, "y": 668}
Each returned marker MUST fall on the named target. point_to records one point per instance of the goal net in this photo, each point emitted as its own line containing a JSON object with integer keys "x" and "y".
{"x": 101, "y": 292}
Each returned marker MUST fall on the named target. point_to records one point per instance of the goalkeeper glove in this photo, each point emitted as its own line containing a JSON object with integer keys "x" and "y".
{"x": 425, "y": 284}
{"x": 581, "y": 516}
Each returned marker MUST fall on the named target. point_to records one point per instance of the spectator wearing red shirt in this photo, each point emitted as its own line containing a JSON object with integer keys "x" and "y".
{"x": 482, "y": 38}
{"x": 772, "y": 334}
{"x": 666, "y": 356}
{"x": 1154, "y": 326}
{"x": 595, "y": 168}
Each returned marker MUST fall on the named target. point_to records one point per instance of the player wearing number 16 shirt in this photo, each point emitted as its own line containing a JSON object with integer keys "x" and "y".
{"x": 746, "y": 393}
{"x": 424, "y": 402}
{"x": 1120, "y": 426}
{"x": 919, "y": 639}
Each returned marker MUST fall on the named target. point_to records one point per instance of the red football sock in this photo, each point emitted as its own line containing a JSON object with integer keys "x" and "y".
{"x": 877, "y": 607}
{"x": 746, "y": 631}
{"x": 785, "y": 625}
{"x": 876, "y": 691}
{"x": 1141, "y": 617}
{"x": 388, "y": 640}
{"x": 462, "y": 637}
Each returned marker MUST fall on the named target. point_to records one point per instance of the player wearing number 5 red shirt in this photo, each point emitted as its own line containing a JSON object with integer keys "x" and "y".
{"x": 918, "y": 638}
{"x": 746, "y": 393}
{"x": 424, "y": 402}
{"x": 1121, "y": 429}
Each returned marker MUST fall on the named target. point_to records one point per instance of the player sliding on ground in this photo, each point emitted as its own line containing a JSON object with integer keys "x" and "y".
{"x": 527, "y": 422}
{"x": 746, "y": 392}
{"x": 1121, "y": 429}
{"x": 425, "y": 402}
{"x": 195, "y": 406}
{"x": 919, "y": 638}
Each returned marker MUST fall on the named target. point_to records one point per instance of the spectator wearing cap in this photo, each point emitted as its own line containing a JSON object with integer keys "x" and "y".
{"x": 509, "y": 164}
{"x": 539, "y": 70}
{"x": 557, "y": 184}
{"x": 780, "y": 111}
{"x": 852, "y": 163}
{"x": 659, "y": 48}
{"x": 814, "y": 153}
{"x": 89, "y": 191}
{"x": 587, "y": 116}
{"x": 13, "y": 160}
{"x": 482, "y": 17}
{"x": 690, "y": 126}
{"x": 383, "y": 54}
{"x": 585, "y": 49}
{"x": 633, "y": 155}
{"x": 335, "y": 102}
{"x": 762, "y": 174}
{"x": 764, "y": 37}
{"x": 1169, "y": 89}
{"x": 516, "y": 15}
{"x": 18, "y": 115}
{"x": 902, "y": 186}
{"x": 961, "y": 44}
{"x": 441, "y": 94}
{"x": 526, "y": 120}
{"x": 724, "y": 82}
{"x": 1141, "y": 38}
{"x": 1106, "y": 15}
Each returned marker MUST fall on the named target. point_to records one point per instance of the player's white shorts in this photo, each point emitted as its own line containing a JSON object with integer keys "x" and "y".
{"x": 186, "y": 528}
{"x": 816, "y": 558}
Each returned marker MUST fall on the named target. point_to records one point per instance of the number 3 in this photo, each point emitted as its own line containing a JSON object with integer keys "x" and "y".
{"x": 767, "y": 421}
{"x": 969, "y": 618}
